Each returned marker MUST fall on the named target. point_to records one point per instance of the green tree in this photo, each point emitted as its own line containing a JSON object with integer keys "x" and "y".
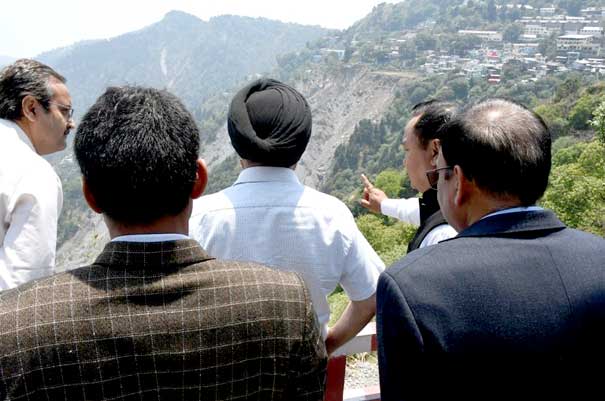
{"x": 568, "y": 89}
{"x": 572, "y": 7}
{"x": 554, "y": 118}
{"x": 391, "y": 182}
{"x": 425, "y": 41}
{"x": 598, "y": 122}
{"x": 512, "y": 70}
{"x": 445, "y": 93}
{"x": 581, "y": 113}
{"x": 462, "y": 44}
{"x": 460, "y": 88}
{"x": 407, "y": 50}
{"x": 576, "y": 190}
{"x": 492, "y": 13}
{"x": 502, "y": 14}
{"x": 512, "y": 32}
{"x": 419, "y": 94}
{"x": 548, "y": 46}
{"x": 388, "y": 238}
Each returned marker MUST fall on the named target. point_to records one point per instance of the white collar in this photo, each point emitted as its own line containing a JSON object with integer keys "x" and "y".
{"x": 267, "y": 174}
{"x": 150, "y": 237}
{"x": 20, "y": 133}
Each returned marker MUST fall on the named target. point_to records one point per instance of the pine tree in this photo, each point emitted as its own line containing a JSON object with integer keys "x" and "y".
{"x": 491, "y": 10}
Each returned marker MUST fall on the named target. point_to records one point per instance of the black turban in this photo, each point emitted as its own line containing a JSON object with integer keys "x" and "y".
{"x": 269, "y": 123}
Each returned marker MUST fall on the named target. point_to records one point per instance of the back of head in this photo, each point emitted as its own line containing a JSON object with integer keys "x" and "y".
{"x": 269, "y": 123}
{"x": 433, "y": 115}
{"x": 25, "y": 77}
{"x": 137, "y": 149}
{"x": 503, "y": 147}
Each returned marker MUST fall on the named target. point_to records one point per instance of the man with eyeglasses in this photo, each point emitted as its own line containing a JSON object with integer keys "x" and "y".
{"x": 421, "y": 145}
{"x": 515, "y": 303}
{"x": 35, "y": 119}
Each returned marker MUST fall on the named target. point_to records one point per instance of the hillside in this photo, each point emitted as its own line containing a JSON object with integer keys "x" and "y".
{"x": 361, "y": 84}
{"x": 452, "y": 15}
{"x": 192, "y": 58}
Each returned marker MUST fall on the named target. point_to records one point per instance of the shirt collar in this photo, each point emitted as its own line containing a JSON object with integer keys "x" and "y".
{"x": 149, "y": 237}
{"x": 509, "y": 223}
{"x": 267, "y": 174}
{"x": 20, "y": 133}
{"x": 513, "y": 210}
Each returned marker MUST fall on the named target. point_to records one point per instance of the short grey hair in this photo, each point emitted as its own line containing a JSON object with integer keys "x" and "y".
{"x": 25, "y": 77}
{"x": 503, "y": 146}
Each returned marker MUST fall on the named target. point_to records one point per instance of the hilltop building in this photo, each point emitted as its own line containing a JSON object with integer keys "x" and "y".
{"x": 583, "y": 44}
{"x": 490, "y": 36}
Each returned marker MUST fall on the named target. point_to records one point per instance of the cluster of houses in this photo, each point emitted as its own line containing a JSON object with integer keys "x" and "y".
{"x": 579, "y": 40}
{"x": 489, "y": 64}
{"x": 580, "y": 44}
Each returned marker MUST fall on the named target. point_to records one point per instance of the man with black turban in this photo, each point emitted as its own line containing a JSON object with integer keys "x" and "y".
{"x": 268, "y": 216}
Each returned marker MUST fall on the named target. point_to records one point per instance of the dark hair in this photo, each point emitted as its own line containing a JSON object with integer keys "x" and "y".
{"x": 502, "y": 146}
{"x": 434, "y": 114}
{"x": 137, "y": 150}
{"x": 25, "y": 77}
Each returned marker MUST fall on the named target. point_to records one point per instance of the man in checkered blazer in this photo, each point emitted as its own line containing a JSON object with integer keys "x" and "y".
{"x": 154, "y": 317}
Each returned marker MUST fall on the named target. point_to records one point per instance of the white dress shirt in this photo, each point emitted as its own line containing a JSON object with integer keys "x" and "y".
{"x": 408, "y": 211}
{"x": 269, "y": 217}
{"x": 30, "y": 202}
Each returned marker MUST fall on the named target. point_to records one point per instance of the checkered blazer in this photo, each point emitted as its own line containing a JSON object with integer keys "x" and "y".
{"x": 150, "y": 321}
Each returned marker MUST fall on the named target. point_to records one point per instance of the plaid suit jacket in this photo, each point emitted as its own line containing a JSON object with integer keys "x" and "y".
{"x": 150, "y": 321}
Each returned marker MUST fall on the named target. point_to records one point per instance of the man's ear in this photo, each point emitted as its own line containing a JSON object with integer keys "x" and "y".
{"x": 28, "y": 107}
{"x": 90, "y": 198}
{"x": 464, "y": 187}
{"x": 434, "y": 146}
{"x": 201, "y": 179}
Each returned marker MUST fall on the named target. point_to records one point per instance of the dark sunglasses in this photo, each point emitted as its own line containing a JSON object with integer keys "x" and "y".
{"x": 433, "y": 175}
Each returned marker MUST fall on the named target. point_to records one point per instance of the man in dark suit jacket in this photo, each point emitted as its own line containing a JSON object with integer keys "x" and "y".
{"x": 154, "y": 317}
{"x": 515, "y": 295}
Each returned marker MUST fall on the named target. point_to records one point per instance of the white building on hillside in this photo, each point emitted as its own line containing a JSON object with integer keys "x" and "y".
{"x": 537, "y": 30}
{"x": 594, "y": 31}
{"x": 580, "y": 43}
{"x": 491, "y": 36}
{"x": 546, "y": 11}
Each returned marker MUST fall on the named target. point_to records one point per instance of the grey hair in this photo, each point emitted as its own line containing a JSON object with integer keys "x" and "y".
{"x": 25, "y": 77}
{"x": 503, "y": 146}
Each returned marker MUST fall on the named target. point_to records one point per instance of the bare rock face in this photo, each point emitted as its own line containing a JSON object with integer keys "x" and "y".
{"x": 339, "y": 101}
{"x": 83, "y": 248}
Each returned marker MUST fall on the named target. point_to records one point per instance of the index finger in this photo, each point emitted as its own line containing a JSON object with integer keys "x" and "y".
{"x": 366, "y": 182}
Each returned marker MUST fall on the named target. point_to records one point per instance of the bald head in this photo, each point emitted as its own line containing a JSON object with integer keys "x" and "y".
{"x": 503, "y": 147}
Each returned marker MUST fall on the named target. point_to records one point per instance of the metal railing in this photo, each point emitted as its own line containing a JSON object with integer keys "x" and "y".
{"x": 365, "y": 341}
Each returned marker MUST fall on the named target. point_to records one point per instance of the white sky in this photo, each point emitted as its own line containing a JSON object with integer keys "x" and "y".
{"x": 29, "y": 27}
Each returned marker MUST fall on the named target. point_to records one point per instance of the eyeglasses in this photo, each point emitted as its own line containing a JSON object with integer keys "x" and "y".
{"x": 67, "y": 111}
{"x": 433, "y": 175}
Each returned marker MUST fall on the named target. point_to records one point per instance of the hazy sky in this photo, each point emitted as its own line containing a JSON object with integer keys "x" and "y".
{"x": 29, "y": 27}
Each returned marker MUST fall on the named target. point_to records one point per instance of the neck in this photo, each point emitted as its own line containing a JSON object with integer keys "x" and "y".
{"x": 25, "y": 126}
{"x": 483, "y": 206}
{"x": 178, "y": 224}
{"x": 245, "y": 163}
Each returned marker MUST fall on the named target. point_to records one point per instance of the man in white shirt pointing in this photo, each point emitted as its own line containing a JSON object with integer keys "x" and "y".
{"x": 35, "y": 119}
{"x": 421, "y": 145}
